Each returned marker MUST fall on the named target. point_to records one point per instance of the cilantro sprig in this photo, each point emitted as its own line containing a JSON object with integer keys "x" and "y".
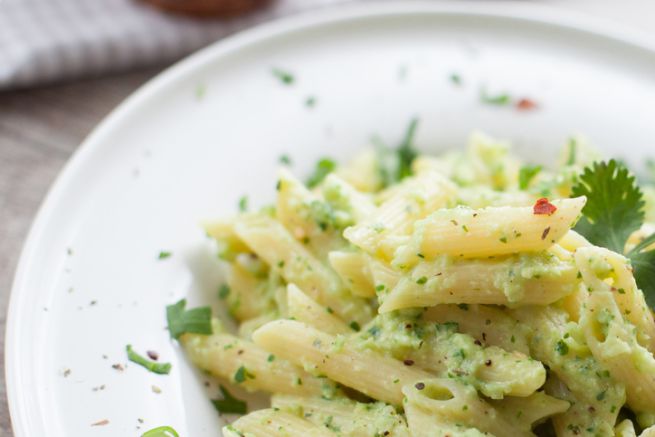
{"x": 181, "y": 320}
{"x": 614, "y": 210}
{"x": 229, "y": 404}
{"x": 395, "y": 164}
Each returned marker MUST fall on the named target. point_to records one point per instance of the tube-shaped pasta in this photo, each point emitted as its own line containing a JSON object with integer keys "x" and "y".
{"x": 304, "y": 309}
{"x": 371, "y": 373}
{"x": 350, "y": 418}
{"x": 537, "y": 279}
{"x": 452, "y": 402}
{"x": 273, "y": 243}
{"x": 575, "y": 374}
{"x": 250, "y": 366}
{"x": 474, "y": 233}
{"x": 489, "y": 325}
{"x": 613, "y": 342}
{"x": 413, "y": 199}
{"x": 272, "y": 423}
{"x": 353, "y": 268}
{"x": 440, "y": 350}
{"x": 597, "y": 265}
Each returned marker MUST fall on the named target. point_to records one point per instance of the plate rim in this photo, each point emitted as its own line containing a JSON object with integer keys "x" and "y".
{"x": 21, "y": 417}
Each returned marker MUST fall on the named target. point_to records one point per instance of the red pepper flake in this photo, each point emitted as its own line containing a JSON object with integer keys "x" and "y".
{"x": 526, "y": 104}
{"x": 543, "y": 206}
{"x": 153, "y": 355}
{"x": 544, "y": 234}
{"x": 102, "y": 422}
{"x": 408, "y": 362}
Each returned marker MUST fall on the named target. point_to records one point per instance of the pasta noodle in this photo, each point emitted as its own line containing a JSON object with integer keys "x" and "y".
{"x": 429, "y": 296}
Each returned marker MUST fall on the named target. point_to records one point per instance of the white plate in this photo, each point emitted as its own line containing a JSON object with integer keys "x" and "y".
{"x": 167, "y": 159}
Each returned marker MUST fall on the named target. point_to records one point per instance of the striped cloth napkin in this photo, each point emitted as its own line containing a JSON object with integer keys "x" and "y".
{"x": 43, "y": 41}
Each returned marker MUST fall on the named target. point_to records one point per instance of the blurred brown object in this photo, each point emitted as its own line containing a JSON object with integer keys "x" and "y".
{"x": 207, "y": 8}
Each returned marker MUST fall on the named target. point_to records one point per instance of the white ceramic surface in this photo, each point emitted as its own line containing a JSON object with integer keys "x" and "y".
{"x": 171, "y": 156}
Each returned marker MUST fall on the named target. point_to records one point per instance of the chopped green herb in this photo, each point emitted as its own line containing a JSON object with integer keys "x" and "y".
{"x": 161, "y": 431}
{"x": 229, "y": 404}
{"x": 463, "y": 306}
{"x": 310, "y": 101}
{"x": 422, "y": 280}
{"x": 223, "y": 291}
{"x": 456, "y": 79}
{"x": 181, "y": 321}
{"x": 379, "y": 287}
{"x": 242, "y": 374}
{"x": 324, "y": 167}
{"x": 573, "y": 147}
{"x": 284, "y": 159}
{"x": 503, "y": 239}
{"x": 396, "y": 164}
{"x": 243, "y": 204}
{"x": 526, "y": 174}
{"x": 164, "y": 255}
{"x": 355, "y": 326}
{"x": 502, "y": 99}
{"x": 159, "y": 368}
{"x": 270, "y": 358}
{"x": 284, "y": 76}
{"x": 600, "y": 396}
{"x": 561, "y": 347}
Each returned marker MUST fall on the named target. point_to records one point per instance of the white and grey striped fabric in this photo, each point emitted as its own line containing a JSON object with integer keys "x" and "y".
{"x": 43, "y": 41}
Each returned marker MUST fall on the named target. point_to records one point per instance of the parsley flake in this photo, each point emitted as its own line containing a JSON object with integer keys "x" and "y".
{"x": 324, "y": 167}
{"x": 181, "y": 321}
{"x": 229, "y": 404}
{"x": 526, "y": 174}
{"x": 502, "y": 99}
{"x": 395, "y": 165}
{"x": 243, "y": 204}
{"x": 164, "y": 254}
{"x": 159, "y": 368}
{"x": 284, "y": 76}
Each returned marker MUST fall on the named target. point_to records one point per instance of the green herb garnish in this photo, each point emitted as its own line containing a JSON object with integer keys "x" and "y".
{"x": 395, "y": 165}
{"x": 159, "y": 368}
{"x": 284, "y": 76}
{"x": 284, "y": 159}
{"x": 561, "y": 347}
{"x": 242, "y": 374}
{"x": 223, "y": 291}
{"x": 161, "y": 431}
{"x": 502, "y": 99}
{"x": 163, "y": 255}
{"x": 324, "y": 167}
{"x": 526, "y": 174}
{"x": 181, "y": 321}
{"x": 614, "y": 210}
{"x": 229, "y": 404}
{"x": 456, "y": 79}
{"x": 243, "y": 204}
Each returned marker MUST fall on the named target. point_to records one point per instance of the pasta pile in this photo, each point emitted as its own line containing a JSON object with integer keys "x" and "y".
{"x": 452, "y": 303}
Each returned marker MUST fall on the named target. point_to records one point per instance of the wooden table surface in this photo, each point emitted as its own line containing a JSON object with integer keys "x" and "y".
{"x": 39, "y": 130}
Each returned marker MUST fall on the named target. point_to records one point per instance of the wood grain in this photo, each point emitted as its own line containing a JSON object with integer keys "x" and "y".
{"x": 39, "y": 130}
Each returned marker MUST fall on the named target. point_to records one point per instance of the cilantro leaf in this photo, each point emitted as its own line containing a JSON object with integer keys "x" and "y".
{"x": 324, "y": 167}
{"x": 229, "y": 404}
{"x": 395, "y": 165}
{"x": 181, "y": 321}
{"x": 160, "y": 368}
{"x": 526, "y": 174}
{"x": 161, "y": 431}
{"x": 644, "y": 271}
{"x": 614, "y": 208}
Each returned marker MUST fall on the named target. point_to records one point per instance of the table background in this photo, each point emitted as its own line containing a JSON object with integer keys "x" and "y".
{"x": 41, "y": 128}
